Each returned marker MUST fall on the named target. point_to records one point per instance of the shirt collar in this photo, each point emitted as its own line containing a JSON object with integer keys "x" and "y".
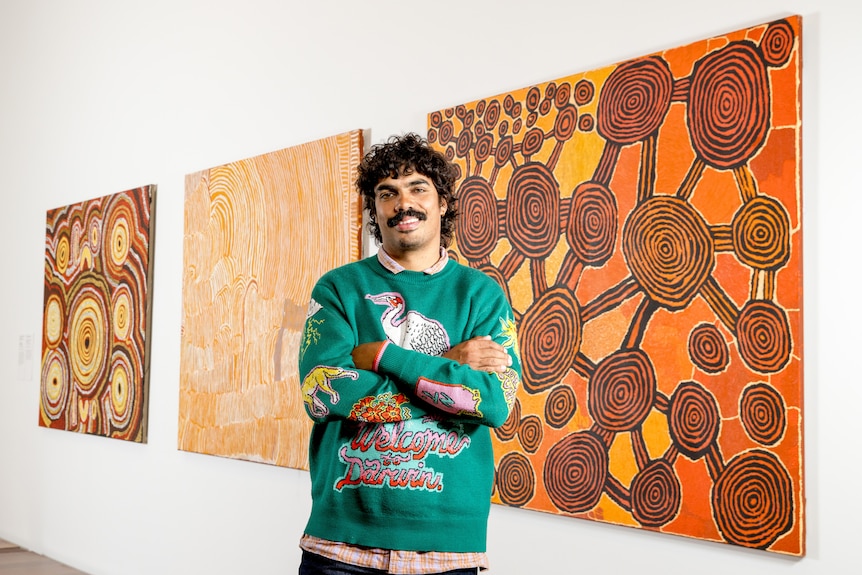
{"x": 390, "y": 264}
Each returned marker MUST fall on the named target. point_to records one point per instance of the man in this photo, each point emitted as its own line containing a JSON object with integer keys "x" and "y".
{"x": 407, "y": 359}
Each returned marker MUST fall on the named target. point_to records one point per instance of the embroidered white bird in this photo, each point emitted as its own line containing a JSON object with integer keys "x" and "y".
{"x": 411, "y": 330}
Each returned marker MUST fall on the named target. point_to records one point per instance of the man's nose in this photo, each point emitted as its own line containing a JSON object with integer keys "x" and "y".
{"x": 403, "y": 202}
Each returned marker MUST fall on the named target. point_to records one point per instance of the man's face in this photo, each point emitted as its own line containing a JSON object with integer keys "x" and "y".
{"x": 408, "y": 210}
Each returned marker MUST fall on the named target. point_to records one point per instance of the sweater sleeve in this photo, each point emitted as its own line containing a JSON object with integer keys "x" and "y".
{"x": 332, "y": 386}
{"x": 458, "y": 390}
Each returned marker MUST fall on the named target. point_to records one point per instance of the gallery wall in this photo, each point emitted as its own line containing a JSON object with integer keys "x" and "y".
{"x": 100, "y": 96}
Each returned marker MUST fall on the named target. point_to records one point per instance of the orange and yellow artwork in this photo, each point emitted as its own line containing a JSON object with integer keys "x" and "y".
{"x": 97, "y": 315}
{"x": 645, "y": 221}
{"x": 258, "y": 234}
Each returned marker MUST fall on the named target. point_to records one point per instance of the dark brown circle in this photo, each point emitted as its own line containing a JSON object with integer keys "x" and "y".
{"x": 656, "y": 494}
{"x": 591, "y": 230}
{"x": 777, "y": 43}
{"x": 761, "y": 234}
{"x": 515, "y": 479}
{"x": 530, "y": 433}
{"x": 693, "y": 419}
{"x": 707, "y": 348}
{"x": 575, "y": 472}
{"x": 560, "y": 406}
{"x": 533, "y": 210}
{"x": 565, "y": 123}
{"x": 634, "y": 100}
{"x": 669, "y": 250}
{"x": 532, "y": 142}
{"x": 763, "y": 413}
{"x": 476, "y": 234}
{"x": 585, "y": 90}
{"x": 621, "y": 391}
{"x": 752, "y": 499}
{"x": 728, "y": 105}
{"x": 763, "y": 334}
{"x": 550, "y": 336}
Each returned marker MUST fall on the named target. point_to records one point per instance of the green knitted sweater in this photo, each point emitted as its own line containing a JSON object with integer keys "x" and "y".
{"x": 401, "y": 457}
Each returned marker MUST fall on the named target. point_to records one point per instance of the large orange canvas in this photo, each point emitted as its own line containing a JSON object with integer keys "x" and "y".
{"x": 645, "y": 222}
{"x": 259, "y": 233}
{"x": 96, "y": 323}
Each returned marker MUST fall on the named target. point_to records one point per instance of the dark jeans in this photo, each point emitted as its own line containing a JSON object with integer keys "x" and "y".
{"x": 313, "y": 564}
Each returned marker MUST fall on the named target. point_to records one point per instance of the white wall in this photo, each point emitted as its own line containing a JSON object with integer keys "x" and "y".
{"x": 98, "y": 96}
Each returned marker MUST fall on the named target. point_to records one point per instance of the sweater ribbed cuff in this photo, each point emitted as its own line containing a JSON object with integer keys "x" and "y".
{"x": 379, "y": 355}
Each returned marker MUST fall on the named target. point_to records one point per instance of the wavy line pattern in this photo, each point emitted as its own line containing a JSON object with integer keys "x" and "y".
{"x": 259, "y": 233}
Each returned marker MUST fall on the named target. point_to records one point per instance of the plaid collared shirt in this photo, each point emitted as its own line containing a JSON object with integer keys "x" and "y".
{"x": 390, "y": 264}
{"x": 390, "y": 561}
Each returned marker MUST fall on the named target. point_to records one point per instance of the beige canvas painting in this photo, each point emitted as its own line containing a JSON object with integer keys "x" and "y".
{"x": 259, "y": 233}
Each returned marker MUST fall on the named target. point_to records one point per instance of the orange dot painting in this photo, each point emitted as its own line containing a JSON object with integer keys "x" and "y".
{"x": 259, "y": 232}
{"x": 644, "y": 220}
{"x": 96, "y": 325}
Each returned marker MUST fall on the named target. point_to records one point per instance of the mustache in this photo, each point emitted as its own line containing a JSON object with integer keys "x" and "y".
{"x": 409, "y": 212}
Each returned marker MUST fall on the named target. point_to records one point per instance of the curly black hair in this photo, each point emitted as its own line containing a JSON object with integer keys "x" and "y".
{"x": 406, "y": 154}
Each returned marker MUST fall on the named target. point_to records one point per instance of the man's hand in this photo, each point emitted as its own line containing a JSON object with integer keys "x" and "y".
{"x": 364, "y": 355}
{"x": 481, "y": 353}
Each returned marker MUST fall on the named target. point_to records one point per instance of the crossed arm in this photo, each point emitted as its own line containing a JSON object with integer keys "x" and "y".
{"x": 480, "y": 353}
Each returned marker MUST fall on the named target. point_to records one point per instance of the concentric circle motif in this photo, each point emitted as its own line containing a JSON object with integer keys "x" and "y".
{"x": 533, "y": 210}
{"x": 503, "y": 152}
{"x": 550, "y": 336}
{"x": 693, "y": 419}
{"x": 656, "y": 494}
{"x": 54, "y": 320}
{"x": 122, "y": 314}
{"x": 55, "y": 383}
{"x": 61, "y": 256}
{"x": 532, "y": 142}
{"x": 591, "y": 230}
{"x": 530, "y": 433}
{"x": 752, "y": 500}
{"x": 560, "y": 406}
{"x": 575, "y": 472}
{"x": 761, "y": 234}
{"x": 565, "y": 123}
{"x": 484, "y": 147}
{"x": 516, "y": 479}
{"x": 728, "y": 106}
{"x": 477, "y": 231}
{"x": 763, "y": 334}
{"x": 534, "y": 96}
{"x": 669, "y": 250}
{"x": 446, "y": 132}
{"x": 707, "y": 348}
{"x": 634, "y": 100}
{"x": 120, "y": 241}
{"x": 122, "y": 391}
{"x": 564, "y": 93}
{"x": 88, "y": 329}
{"x": 777, "y": 43}
{"x": 585, "y": 90}
{"x": 464, "y": 143}
{"x": 492, "y": 114}
{"x": 621, "y": 391}
{"x": 763, "y": 413}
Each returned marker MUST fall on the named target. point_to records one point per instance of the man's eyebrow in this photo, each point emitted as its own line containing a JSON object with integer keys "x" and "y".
{"x": 419, "y": 181}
